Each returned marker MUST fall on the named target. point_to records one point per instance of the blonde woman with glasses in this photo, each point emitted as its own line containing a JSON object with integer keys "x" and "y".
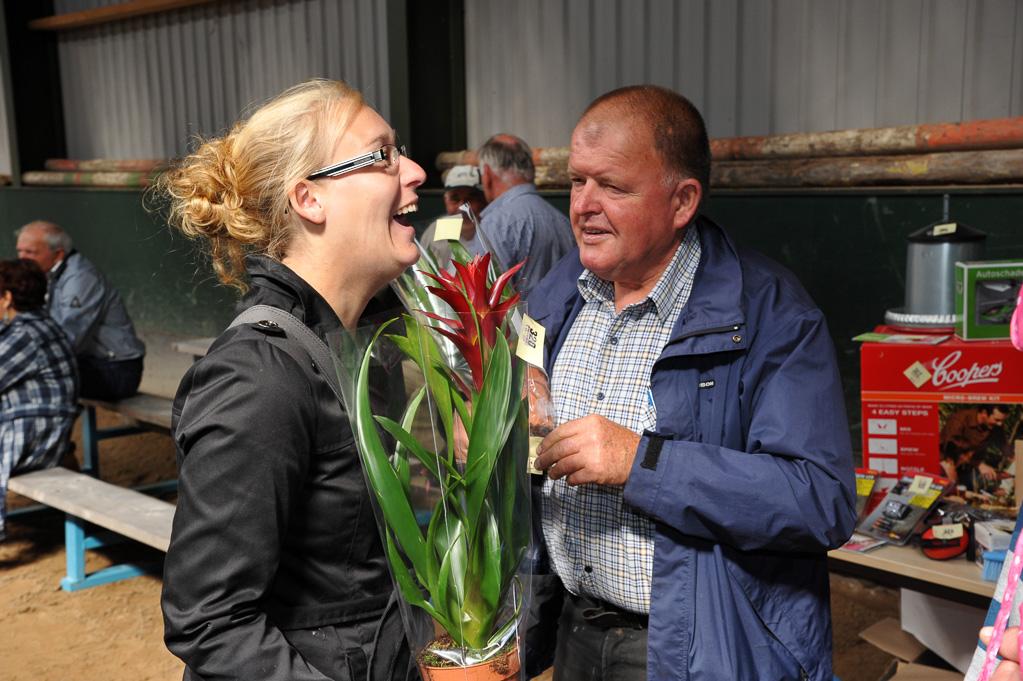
{"x": 275, "y": 568}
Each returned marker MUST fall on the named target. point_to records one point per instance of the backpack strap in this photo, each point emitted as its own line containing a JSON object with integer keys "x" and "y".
{"x": 299, "y": 332}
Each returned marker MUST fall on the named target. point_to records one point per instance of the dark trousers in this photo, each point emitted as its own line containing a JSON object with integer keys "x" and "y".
{"x": 598, "y": 642}
{"x": 105, "y": 380}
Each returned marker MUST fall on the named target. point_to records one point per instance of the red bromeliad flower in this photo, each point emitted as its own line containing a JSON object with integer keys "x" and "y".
{"x": 480, "y": 310}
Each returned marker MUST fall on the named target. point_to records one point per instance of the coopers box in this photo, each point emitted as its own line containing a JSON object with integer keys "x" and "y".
{"x": 961, "y": 398}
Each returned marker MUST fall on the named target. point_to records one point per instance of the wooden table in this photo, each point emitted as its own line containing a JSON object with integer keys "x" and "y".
{"x": 907, "y": 567}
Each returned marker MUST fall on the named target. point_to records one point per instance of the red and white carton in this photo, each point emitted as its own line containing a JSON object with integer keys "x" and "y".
{"x": 909, "y": 391}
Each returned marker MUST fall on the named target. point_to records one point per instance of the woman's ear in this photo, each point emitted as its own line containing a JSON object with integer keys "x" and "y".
{"x": 304, "y": 199}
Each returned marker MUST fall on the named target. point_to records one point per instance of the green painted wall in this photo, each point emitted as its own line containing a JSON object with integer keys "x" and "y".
{"x": 847, "y": 246}
{"x": 160, "y": 276}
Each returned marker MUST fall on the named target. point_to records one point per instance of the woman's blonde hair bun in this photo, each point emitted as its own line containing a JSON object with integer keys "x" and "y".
{"x": 233, "y": 191}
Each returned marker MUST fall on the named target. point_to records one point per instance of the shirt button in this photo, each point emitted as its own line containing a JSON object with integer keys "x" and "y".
{"x": 588, "y": 569}
{"x": 600, "y": 396}
{"x": 737, "y": 338}
{"x": 614, "y": 340}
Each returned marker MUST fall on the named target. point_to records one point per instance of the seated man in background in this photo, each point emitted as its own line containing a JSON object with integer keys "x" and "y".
{"x": 90, "y": 310}
{"x": 518, "y": 222}
{"x": 462, "y": 184}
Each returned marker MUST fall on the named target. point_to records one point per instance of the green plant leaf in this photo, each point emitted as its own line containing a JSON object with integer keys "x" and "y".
{"x": 489, "y": 430}
{"x": 409, "y": 588}
{"x": 401, "y": 462}
{"x": 384, "y": 480}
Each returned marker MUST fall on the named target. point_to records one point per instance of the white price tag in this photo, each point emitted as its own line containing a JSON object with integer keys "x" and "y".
{"x": 921, "y": 485}
{"x": 531, "y": 338}
{"x": 947, "y": 228}
{"x": 953, "y": 531}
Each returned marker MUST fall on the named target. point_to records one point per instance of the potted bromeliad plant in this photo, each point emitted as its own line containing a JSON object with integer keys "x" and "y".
{"x": 455, "y": 557}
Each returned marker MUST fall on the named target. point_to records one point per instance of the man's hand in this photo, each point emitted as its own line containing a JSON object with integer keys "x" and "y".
{"x": 1007, "y": 669}
{"x": 590, "y": 449}
{"x": 987, "y": 472}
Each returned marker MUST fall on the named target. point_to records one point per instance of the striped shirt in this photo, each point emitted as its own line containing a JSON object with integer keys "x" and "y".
{"x": 599, "y": 546}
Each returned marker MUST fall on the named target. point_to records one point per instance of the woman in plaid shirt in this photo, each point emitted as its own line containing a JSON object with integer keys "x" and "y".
{"x": 38, "y": 378}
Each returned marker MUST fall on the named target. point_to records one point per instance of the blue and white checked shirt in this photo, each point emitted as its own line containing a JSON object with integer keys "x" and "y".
{"x": 522, "y": 223}
{"x": 600, "y": 547}
{"x": 38, "y": 397}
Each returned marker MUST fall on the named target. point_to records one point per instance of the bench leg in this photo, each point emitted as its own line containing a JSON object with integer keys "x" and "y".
{"x": 76, "y": 542}
{"x": 90, "y": 442}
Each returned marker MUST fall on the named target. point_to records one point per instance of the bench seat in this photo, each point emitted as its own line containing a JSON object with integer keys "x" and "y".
{"x": 86, "y": 500}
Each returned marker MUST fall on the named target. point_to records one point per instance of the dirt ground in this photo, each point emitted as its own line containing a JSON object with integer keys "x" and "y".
{"x": 114, "y": 632}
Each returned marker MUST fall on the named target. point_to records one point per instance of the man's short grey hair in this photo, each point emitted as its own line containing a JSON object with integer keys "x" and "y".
{"x": 54, "y": 236}
{"x": 507, "y": 155}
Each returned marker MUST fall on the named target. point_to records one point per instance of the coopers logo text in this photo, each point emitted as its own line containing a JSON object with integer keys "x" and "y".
{"x": 947, "y": 375}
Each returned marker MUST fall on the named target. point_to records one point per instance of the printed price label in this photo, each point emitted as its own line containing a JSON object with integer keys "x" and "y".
{"x": 953, "y": 531}
{"x": 449, "y": 228}
{"x": 947, "y": 228}
{"x": 534, "y": 442}
{"x": 921, "y": 485}
{"x": 531, "y": 339}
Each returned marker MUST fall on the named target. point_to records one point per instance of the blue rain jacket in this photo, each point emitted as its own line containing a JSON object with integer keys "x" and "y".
{"x": 749, "y": 477}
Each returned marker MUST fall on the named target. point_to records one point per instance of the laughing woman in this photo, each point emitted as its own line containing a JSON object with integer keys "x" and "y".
{"x": 275, "y": 568}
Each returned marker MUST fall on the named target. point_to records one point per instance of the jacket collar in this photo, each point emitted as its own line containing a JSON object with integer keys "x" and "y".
{"x": 276, "y": 284}
{"x": 57, "y": 270}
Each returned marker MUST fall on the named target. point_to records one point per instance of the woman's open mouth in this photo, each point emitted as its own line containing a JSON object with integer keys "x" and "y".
{"x": 401, "y": 217}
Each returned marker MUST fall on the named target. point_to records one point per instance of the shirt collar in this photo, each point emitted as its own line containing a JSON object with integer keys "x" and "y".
{"x": 58, "y": 269}
{"x": 524, "y": 188}
{"x": 668, "y": 289}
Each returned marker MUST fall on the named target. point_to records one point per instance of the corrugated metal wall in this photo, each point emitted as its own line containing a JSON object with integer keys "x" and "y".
{"x": 5, "y": 143}
{"x": 142, "y": 88}
{"x": 753, "y": 67}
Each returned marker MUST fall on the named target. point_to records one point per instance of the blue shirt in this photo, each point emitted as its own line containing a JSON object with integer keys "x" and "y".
{"x": 519, "y": 224}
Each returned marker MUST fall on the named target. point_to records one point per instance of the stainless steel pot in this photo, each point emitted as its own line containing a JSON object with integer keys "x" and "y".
{"x": 931, "y": 274}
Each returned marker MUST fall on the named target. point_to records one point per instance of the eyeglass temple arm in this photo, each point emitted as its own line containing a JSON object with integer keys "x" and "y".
{"x": 346, "y": 166}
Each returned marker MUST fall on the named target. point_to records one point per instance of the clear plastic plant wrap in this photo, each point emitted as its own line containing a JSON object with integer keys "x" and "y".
{"x": 455, "y": 519}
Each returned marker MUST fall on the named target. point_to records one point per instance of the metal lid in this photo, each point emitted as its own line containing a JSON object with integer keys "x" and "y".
{"x": 947, "y": 232}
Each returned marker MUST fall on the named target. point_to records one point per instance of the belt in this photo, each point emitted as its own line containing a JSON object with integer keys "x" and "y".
{"x": 602, "y": 615}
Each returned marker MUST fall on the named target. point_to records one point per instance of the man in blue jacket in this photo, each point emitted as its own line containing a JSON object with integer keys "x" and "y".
{"x": 702, "y": 466}
{"x": 89, "y": 309}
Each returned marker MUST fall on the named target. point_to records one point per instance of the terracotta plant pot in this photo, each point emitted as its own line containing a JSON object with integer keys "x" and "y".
{"x": 504, "y": 668}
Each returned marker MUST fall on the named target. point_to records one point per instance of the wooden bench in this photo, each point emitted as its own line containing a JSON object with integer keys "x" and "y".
{"x": 87, "y": 501}
{"x": 145, "y": 413}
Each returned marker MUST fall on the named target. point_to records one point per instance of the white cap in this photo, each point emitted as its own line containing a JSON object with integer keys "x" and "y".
{"x": 463, "y": 176}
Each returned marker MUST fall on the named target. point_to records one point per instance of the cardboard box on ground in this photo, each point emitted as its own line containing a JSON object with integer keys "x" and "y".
{"x": 913, "y": 661}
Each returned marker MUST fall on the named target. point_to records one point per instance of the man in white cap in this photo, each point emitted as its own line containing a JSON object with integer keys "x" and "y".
{"x": 462, "y": 184}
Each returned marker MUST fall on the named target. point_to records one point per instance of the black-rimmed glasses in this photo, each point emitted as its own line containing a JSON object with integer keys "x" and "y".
{"x": 389, "y": 153}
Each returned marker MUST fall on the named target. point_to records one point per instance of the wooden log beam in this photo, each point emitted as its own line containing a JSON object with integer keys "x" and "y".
{"x": 997, "y": 133}
{"x": 1000, "y": 133}
{"x": 962, "y": 167}
{"x": 976, "y": 167}
{"x": 108, "y": 13}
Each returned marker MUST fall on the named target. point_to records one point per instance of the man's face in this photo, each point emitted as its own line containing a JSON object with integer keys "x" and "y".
{"x": 625, "y": 218}
{"x": 31, "y": 245}
{"x": 453, "y": 198}
{"x": 996, "y": 419}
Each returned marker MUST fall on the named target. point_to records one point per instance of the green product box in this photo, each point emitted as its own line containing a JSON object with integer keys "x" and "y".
{"x": 986, "y": 293}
